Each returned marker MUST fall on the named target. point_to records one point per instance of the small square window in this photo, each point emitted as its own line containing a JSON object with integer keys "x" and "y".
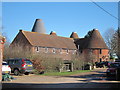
{"x": 54, "y": 50}
{"x": 46, "y": 50}
{"x": 67, "y": 51}
{"x": 100, "y": 51}
{"x": 60, "y": 51}
{"x": 74, "y": 51}
{"x": 37, "y": 49}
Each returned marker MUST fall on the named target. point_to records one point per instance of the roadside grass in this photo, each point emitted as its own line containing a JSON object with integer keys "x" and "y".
{"x": 65, "y": 73}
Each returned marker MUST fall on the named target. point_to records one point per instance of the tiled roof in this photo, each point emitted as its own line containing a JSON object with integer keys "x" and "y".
{"x": 45, "y": 40}
{"x": 94, "y": 41}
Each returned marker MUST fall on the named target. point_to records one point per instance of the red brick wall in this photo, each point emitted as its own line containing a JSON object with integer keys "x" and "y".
{"x": 96, "y": 53}
{"x": 21, "y": 40}
{"x": 59, "y": 53}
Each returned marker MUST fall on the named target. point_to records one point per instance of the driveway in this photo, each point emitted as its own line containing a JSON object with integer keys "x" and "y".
{"x": 93, "y": 79}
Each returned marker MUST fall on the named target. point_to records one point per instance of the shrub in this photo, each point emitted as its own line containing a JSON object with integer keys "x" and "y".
{"x": 41, "y": 61}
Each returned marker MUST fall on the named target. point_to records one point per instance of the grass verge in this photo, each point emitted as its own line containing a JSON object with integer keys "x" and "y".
{"x": 65, "y": 73}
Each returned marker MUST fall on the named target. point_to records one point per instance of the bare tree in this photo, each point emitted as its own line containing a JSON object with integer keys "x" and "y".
{"x": 118, "y": 34}
{"x": 112, "y": 40}
{"x": 79, "y": 61}
{"x": 114, "y": 43}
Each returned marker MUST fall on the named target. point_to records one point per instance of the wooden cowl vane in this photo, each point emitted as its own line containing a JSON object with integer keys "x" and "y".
{"x": 39, "y": 26}
{"x": 53, "y": 33}
{"x": 74, "y": 35}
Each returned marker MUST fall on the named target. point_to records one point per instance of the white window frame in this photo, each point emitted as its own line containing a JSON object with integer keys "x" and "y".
{"x": 54, "y": 50}
{"x": 78, "y": 47}
{"x": 46, "y": 50}
{"x": 60, "y": 50}
{"x": 67, "y": 51}
{"x": 74, "y": 51}
{"x": 37, "y": 49}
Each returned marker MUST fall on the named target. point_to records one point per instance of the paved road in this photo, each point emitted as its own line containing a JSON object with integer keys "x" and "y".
{"x": 94, "y": 79}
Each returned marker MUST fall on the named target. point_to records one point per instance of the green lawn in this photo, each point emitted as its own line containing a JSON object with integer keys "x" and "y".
{"x": 65, "y": 73}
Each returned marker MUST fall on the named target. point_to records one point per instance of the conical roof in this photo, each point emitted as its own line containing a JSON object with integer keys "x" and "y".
{"x": 94, "y": 41}
{"x": 53, "y": 33}
{"x": 74, "y": 35}
{"x": 39, "y": 26}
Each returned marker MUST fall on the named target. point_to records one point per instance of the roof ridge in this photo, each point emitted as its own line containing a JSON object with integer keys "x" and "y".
{"x": 26, "y": 36}
{"x": 46, "y": 34}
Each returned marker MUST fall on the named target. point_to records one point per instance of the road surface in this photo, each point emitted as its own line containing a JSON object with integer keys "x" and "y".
{"x": 94, "y": 79}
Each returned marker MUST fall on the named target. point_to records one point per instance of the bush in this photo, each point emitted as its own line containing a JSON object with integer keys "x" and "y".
{"x": 46, "y": 64}
{"x": 41, "y": 61}
{"x": 78, "y": 61}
